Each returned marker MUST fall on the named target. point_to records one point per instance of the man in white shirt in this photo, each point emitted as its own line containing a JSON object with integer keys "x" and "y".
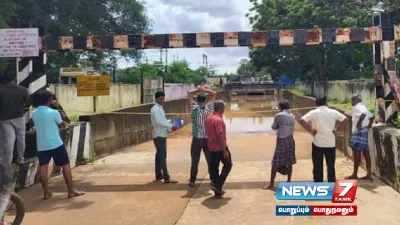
{"x": 161, "y": 128}
{"x": 362, "y": 119}
{"x": 321, "y": 122}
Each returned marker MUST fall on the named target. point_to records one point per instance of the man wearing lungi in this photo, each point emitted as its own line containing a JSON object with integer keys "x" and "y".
{"x": 362, "y": 119}
{"x": 284, "y": 156}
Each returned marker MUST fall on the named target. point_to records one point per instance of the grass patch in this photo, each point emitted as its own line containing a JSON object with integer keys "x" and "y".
{"x": 92, "y": 158}
{"x": 297, "y": 92}
{"x": 397, "y": 122}
{"x": 372, "y": 109}
{"x": 344, "y": 103}
{"x": 74, "y": 118}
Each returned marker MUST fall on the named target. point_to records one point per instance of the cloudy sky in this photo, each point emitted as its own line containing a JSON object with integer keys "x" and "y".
{"x": 185, "y": 16}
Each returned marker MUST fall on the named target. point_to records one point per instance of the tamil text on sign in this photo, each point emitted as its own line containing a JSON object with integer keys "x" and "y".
{"x": 93, "y": 85}
{"x": 19, "y": 42}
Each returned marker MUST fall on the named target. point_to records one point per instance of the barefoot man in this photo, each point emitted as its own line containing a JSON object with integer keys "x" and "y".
{"x": 50, "y": 145}
{"x": 284, "y": 156}
{"x": 362, "y": 119}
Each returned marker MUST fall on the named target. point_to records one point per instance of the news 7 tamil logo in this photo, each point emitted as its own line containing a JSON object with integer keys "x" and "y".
{"x": 342, "y": 191}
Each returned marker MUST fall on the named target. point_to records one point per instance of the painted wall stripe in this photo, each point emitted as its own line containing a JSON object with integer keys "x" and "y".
{"x": 74, "y": 145}
{"x": 81, "y": 144}
{"x": 31, "y": 173}
{"x": 37, "y": 85}
{"x": 86, "y": 150}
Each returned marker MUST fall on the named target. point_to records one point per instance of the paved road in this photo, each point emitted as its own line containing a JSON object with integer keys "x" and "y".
{"x": 120, "y": 190}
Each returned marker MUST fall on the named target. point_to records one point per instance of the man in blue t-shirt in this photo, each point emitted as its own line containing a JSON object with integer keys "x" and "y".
{"x": 50, "y": 145}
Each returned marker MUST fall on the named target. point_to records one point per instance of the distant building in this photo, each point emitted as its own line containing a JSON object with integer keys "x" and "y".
{"x": 69, "y": 75}
{"x": 215, "y": 80}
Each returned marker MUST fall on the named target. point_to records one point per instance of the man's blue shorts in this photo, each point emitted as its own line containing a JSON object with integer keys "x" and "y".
{"x": 59, "y": 155}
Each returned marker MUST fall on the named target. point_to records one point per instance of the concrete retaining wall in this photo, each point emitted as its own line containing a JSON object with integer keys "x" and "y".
{"x": 111, "y": 132}
{"x": 121, "y": 96}
{"x": 385, "y": 148}
{"x": 341, "y": 89}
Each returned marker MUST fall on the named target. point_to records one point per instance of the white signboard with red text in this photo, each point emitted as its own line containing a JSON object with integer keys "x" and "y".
{"x": 19, "y": 42}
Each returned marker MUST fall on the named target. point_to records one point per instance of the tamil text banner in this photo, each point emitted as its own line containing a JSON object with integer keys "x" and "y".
{"x": 19, "y": 43}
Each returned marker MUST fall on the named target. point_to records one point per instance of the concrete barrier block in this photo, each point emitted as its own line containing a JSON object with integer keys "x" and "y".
{"x": 386, "y": 153}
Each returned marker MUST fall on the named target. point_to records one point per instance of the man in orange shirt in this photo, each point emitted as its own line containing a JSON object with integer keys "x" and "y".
{"x": 219, "y": 152}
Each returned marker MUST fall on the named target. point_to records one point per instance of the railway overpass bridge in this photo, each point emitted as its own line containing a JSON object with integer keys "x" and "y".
{"x": 252, "y": 91}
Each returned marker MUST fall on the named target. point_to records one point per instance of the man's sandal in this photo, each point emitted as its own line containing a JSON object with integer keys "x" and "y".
{"x": 76, "y": 194}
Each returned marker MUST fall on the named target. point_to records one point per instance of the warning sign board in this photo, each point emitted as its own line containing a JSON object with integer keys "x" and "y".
{"x": 19, "y": 42}
{"x": 93, "y": 85}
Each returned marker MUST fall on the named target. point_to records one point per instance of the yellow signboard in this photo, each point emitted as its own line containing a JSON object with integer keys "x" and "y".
{"x": 93, "y": 85}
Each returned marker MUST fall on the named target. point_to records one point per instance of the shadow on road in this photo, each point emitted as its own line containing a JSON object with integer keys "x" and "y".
{"x": 215, "y": 202}
{"x": 160, "y": 186}
{"x": 33, "y": 196}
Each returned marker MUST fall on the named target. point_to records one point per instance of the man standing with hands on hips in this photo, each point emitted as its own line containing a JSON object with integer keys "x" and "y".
{"x": 362, "y": 119}
{"x": 219, "y": 152}
{"x": 161, "y": 128}
{"x": 321, "y": 123}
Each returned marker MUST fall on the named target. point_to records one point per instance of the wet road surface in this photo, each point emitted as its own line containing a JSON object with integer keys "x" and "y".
{"x": 121, "y": 191}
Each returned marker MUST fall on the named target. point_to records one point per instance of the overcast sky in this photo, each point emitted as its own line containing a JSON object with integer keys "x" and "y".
{"x": 184, "y": 16}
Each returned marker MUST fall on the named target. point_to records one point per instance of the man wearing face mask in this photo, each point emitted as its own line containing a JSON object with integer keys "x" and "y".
{"x": 200, "y": 110}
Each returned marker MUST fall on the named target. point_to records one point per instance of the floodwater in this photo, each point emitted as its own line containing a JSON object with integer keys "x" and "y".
{"x": 245, "y": 117}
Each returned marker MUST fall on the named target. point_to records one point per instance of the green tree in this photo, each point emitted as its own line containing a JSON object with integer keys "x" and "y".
{"x": 133, "y": 75}
{"x": 317, "y": 63}
{"x": 245, "y": 69}
{"x": 7, "y": 11}
{"x": 78, "y": 17}
{"x": 179, "y": 72}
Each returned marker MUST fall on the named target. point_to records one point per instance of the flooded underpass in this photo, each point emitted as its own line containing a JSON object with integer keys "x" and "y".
{"x": 246, "y": 117}
{"x": 121, "y": 189}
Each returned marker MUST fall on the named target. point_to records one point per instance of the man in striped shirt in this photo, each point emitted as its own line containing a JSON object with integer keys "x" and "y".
{"x": 200, "y": 111}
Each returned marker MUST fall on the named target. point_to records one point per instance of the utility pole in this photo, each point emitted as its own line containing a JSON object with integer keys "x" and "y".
{"x": 166, "y": 67}
{"x": 161, "y": 56}
{"x": 205, "y": 60}
{"x": 166, "y": 58}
